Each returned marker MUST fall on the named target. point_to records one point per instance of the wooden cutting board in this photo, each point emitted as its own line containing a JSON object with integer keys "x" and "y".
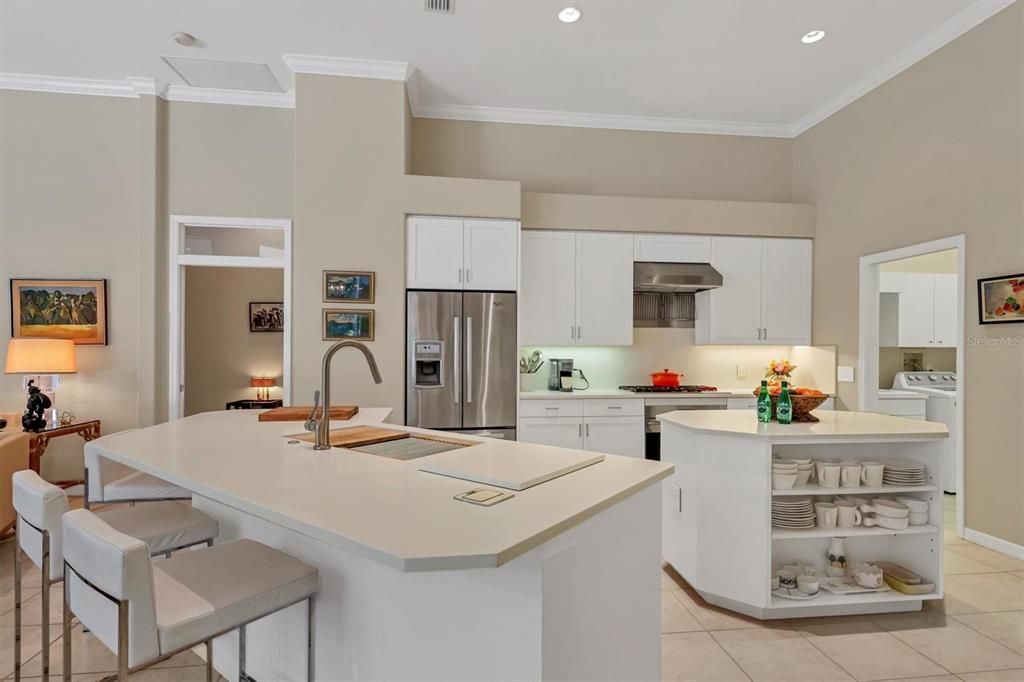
{"x": 300, "y": 413}
{"x": 355, "y": 436}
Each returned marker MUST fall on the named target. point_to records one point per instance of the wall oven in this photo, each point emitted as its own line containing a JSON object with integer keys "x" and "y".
{"x": 655, "y": 406}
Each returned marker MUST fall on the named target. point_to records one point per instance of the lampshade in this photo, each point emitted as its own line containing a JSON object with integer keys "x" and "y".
{"x": 40, "y": 356}
{"x": 261, "y": 382}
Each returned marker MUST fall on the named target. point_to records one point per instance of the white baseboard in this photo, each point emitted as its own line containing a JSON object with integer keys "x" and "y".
{"x": 996, "y": 544}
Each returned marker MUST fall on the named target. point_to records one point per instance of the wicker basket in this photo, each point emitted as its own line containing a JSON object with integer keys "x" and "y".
{"x": 802, "y": 405}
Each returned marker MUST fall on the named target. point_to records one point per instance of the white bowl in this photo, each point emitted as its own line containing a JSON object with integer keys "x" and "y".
{"x": 802, "y": 477}
{"x": 783, "y": 481}
{"x": 918, "y": 518}
{"x": 889, "y": 508}
{"x": 915, "y": 505}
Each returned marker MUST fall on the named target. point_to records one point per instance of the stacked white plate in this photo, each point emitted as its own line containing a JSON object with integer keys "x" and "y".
{"x": 904, "y": 473}
{"x": 793, "y": 513}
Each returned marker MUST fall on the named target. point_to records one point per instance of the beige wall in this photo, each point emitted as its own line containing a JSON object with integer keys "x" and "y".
{"x": 936, "y": 261}
{"x": 568, "y": 160}
{"x": 936, "y": 151}
{"x": 221, "y": 354}
{"x": 69, "y": 207}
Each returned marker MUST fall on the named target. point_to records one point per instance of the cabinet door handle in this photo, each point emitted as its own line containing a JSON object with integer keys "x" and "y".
{"x": 469, "y": 275}
{"x": 572, "y": 331}
{"x": 460, "y": 275}
{"x": 586, "y": 430}
{"x": 579, "y": 332}
{"x": 580, "y": 429}
{"x": 765, "y": 330}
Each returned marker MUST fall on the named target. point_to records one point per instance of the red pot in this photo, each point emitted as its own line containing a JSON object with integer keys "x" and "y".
{"x": 665, "y": 378}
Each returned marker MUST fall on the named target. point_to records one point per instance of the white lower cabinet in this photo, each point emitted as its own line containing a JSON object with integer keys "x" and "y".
{"x": 614, "y": 427}
{"x": 563, "y": 432}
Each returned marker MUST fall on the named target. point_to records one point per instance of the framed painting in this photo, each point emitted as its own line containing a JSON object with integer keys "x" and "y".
{"x": 348, "y": 287}
{"x": 266, "y": 317}
{"x": 73, "y": 309}
{"x": 348, "y": 324}
{"x": 1001, "y": 299}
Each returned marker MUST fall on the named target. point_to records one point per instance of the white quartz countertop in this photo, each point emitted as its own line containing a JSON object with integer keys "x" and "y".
{"x": 615, "y": 393}
{"x": 832, "y": 425}
{"x": 383, "y": 509}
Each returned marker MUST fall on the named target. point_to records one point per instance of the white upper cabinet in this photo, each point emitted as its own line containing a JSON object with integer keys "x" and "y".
{"x": 671, "y": 248}
{"x": 926, "y": 310}
{"x": 604, "y": 289}
{"x": 577, "y": 289}
{"x": 765, "y": 297}
{"x": 456, "y": 253}
{"x": 786, "y": 287}
{"x": 490, "y": 254}
{"x": 547, "y": 297}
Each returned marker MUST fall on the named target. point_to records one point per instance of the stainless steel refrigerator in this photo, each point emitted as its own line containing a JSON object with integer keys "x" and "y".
{"x": 462, "y": 371}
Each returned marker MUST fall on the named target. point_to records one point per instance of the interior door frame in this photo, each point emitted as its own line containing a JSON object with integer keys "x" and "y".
{"x": 178, "y": 261}
{"x": 867, "y": 387}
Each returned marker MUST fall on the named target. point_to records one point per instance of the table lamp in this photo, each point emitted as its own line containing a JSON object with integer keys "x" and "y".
{"x": 41, "y": 360}
{"x": 262, "y": 386}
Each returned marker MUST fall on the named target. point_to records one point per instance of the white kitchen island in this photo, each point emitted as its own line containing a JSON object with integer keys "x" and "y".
{"x": 560, "y": 582}
{"x": 717, "y": 524}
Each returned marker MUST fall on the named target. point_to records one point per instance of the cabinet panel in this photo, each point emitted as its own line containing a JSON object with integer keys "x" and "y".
{"x": 490, "y": 249}
{"x": 786, "y": 291}
{"x": 917, "y": 308}
{"x": 944, "y": 310}
{"x": 626, "y": 407}
{"x": 604, "y": 289}
{"x": 434, "y": 253}
{"x": 547, "y": 297}
{"x": 671, "y": 248}
{"x": 551, "y": 408}
{"x": 563, "y": 432}
{"x": 614, "y": 435}
{"x": 734, "y": 309}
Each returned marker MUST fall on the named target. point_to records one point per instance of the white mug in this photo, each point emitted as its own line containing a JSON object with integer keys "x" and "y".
{"x": 871, "y": 473}
{"x": 847, "y": 515}
{"x": 828, "y": 474}
{"x": 827, "y": 514}
{"x": 807, "y": 584}
{"x": 850, "y": 475}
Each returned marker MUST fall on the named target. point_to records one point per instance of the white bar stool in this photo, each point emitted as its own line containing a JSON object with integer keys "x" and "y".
{"x": 146, "y": 611}
{"x": 109, "y": 481}
{"x": 39, "y": 506}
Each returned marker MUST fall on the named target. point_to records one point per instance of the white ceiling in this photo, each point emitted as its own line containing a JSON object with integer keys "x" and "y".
{"x": 705, "y": 65}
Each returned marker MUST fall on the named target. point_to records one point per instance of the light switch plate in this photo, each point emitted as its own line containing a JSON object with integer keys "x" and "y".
{"x": 741, "y": 371}
{"x": 845, "y": 374}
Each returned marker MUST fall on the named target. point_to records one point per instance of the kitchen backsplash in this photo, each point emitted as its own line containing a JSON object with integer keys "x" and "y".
{"x": 655, "y": 349}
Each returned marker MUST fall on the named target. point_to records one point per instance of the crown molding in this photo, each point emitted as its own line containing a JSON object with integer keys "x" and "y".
{"x": 946, "y": 33}
{"x": 248, "y": 98}
{"x": 353, "y": 68}
{"x": 69, "y": 86}
{"x": 575, "y": 119}
{"x": 137, "y": 87}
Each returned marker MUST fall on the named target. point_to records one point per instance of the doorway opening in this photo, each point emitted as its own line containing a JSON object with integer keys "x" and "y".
{"x": 912, "y": 347}
{"x": 230, "y": 312}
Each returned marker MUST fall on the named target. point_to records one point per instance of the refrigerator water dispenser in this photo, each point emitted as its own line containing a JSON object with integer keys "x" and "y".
{"x": 427, "y": 356}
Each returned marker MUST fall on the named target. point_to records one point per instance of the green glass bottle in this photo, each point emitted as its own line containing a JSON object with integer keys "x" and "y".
{"x": 784, "y": 409}
{"x": 764, "y": 403}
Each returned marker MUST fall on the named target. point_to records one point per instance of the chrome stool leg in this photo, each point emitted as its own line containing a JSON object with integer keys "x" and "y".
{"x": 45, "y": 581}
{"x": 209, "y": 660}
{"x": 242, "y": 677}
{"x": 310, "y": 650}
{"x": 66, "y": 628}
{"x": 17, "y": 603}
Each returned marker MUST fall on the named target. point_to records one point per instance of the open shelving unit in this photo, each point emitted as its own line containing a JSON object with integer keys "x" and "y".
{"x": 861, "y": 491}
{"x": 859, "y": 531}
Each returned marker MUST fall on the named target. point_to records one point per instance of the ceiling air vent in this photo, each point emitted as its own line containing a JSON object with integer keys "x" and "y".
{"x": 442, "y": 6}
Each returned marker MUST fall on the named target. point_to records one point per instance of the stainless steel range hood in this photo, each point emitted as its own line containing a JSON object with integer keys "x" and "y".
{"x": 675, "y": 278}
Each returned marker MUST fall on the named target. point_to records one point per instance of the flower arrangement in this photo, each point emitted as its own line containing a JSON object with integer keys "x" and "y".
{"x": 778, "y": 370}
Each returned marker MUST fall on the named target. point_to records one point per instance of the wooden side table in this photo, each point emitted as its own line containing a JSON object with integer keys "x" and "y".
{"x": 253, "y": 404}
{"x": 88, "y": 430}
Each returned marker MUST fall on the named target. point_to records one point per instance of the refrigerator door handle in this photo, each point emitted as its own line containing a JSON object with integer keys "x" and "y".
{"x": 455, "y": 354}
{"x": 469, "y": 360}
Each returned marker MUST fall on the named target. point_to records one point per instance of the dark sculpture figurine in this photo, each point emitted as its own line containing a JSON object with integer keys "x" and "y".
{"x": 38, "y": 403}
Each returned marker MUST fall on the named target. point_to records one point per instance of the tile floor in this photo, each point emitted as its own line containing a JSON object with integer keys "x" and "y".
{"x": 975, "y": 634}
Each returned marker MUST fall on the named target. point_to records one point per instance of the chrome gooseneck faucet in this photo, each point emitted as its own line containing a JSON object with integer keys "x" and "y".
{"x": 322, "y": 426}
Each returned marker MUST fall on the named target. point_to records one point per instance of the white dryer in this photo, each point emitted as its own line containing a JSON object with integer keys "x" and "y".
{"x": 941, "y": 389}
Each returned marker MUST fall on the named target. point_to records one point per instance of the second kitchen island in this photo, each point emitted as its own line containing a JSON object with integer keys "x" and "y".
{"x": 717, "y": 507}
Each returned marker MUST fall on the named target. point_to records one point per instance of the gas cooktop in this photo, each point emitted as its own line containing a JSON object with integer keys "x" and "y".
{"x": 669, "y": 389}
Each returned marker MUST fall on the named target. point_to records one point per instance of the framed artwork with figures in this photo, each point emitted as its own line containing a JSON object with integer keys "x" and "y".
{"x": 1001, "y": 299}
{"x": 73, "y": 309}
{"x": 348, "y": 287}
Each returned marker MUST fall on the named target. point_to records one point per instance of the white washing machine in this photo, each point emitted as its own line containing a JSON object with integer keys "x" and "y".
{"x": 941, "y": 389}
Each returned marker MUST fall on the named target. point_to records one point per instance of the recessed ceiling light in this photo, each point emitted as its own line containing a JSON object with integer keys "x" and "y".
{"x": 569, "y": 15}
{"x": 812, "y": 36}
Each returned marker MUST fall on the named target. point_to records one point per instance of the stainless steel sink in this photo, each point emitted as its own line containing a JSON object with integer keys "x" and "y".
{"x": 409, "y": 448}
